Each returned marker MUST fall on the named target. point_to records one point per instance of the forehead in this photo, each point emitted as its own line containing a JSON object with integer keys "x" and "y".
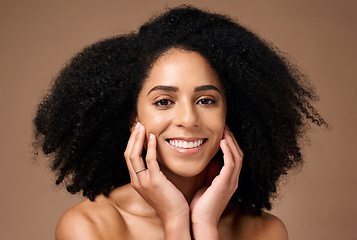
{"x": 177, "y": 67}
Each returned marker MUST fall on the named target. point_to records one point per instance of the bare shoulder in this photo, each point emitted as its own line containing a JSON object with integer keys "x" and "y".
{"x": 248, "y": 226}
{"x": 75, "y": 223}
{"x": 272, "y": 227}
{"x": 90, "y": 220}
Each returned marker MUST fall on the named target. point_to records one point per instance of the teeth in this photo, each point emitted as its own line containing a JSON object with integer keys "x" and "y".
{"x": 185, "y": 144}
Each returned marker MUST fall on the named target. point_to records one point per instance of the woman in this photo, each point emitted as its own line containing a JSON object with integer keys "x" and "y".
{"x": 139, "y": 123}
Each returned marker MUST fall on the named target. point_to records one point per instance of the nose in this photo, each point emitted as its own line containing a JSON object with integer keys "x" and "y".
{"x": 187, "y": 115}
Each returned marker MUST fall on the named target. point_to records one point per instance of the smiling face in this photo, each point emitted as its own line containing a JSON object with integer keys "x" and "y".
{"x": 183, "y": 104}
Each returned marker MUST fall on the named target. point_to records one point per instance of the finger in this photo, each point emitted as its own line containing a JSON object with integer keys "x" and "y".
{"x": 135, "y": 155}
{"x": 231, "y": 135}
{"x": 151, "y": 159}
{"x": 229, "y": 165}
{"x": 234, "y": 179}
{"x": 128, "y": 150}
{"x": 131, "y": 140}
{"x": 235, "y": 150}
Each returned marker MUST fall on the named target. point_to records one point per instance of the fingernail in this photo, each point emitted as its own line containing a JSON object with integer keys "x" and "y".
{"x": 224, "y": 141}
{"x": 141, "y": 128}
{"x": 137, "y": 125}
{"x": 151, "y": 136}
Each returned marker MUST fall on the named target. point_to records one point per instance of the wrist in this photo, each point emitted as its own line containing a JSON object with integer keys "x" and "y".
{"x": 207, "y": 231}
{"x": 177, "y": 228}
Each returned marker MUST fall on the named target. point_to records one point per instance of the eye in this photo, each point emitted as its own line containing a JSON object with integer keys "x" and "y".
{"x": 163, "y": 102}
{"x": 206, "y": 101}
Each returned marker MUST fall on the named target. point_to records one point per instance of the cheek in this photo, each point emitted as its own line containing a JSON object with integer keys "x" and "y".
{"x": 217, "y": 120}
{"x": 218, "y": 126}
{"x": 154, "y": 122}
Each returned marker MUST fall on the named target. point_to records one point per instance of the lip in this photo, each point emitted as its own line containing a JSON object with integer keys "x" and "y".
{"x": 187, "y": 151}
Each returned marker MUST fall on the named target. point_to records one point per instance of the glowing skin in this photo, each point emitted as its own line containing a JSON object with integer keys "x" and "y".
{"x": 183, "y": 104}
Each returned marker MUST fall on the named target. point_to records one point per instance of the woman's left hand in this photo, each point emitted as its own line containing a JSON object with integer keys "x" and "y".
{"x": 210, "y": 201}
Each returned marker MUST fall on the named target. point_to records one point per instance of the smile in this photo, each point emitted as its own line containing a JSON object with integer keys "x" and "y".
{"x": 179, "y": 143}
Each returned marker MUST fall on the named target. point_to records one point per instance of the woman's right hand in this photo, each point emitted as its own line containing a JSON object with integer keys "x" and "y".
{"x": 155, "y": 188}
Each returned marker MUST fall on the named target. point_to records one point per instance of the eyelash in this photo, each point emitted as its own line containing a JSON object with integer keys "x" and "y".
{"x": 211, "y": 101}
{"x": 163, "y": 102}
{"x": 159, "y": 102}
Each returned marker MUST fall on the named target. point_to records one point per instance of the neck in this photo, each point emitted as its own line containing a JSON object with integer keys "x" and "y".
{"x": 188, "y": 186}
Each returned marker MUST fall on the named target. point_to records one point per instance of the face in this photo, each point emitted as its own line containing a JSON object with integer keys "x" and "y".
{"x": 183, "y": 104}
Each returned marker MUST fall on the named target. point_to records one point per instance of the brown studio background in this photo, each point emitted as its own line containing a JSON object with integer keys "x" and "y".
{"x": 38, "y": 37}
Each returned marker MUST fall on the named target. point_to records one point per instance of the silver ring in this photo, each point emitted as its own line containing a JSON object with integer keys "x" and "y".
{"x": 140, "y": 170}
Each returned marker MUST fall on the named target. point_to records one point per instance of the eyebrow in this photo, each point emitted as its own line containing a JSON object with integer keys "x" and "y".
{"x": 206, "y": 87}
{"x": 163, "y": 88}
{"x": 175, "y": 89}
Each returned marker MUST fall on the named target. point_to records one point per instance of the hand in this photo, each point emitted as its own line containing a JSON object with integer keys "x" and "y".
{"x": 210, "y": 201}
{"x": 152, "y": 184}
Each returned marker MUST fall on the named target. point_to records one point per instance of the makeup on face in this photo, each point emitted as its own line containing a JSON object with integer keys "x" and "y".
{"x": 182, "y": 102}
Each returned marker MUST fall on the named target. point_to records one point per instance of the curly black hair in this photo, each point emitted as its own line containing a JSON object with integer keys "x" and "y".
{"x": 83, "y": 122}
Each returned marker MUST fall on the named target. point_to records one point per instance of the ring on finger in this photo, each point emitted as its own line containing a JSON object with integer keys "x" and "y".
{"x": 140, "y": 170}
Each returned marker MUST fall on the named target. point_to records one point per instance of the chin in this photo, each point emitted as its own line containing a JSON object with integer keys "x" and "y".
{"x": 183, "y": 167}
{"x": 187, "y": 174}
